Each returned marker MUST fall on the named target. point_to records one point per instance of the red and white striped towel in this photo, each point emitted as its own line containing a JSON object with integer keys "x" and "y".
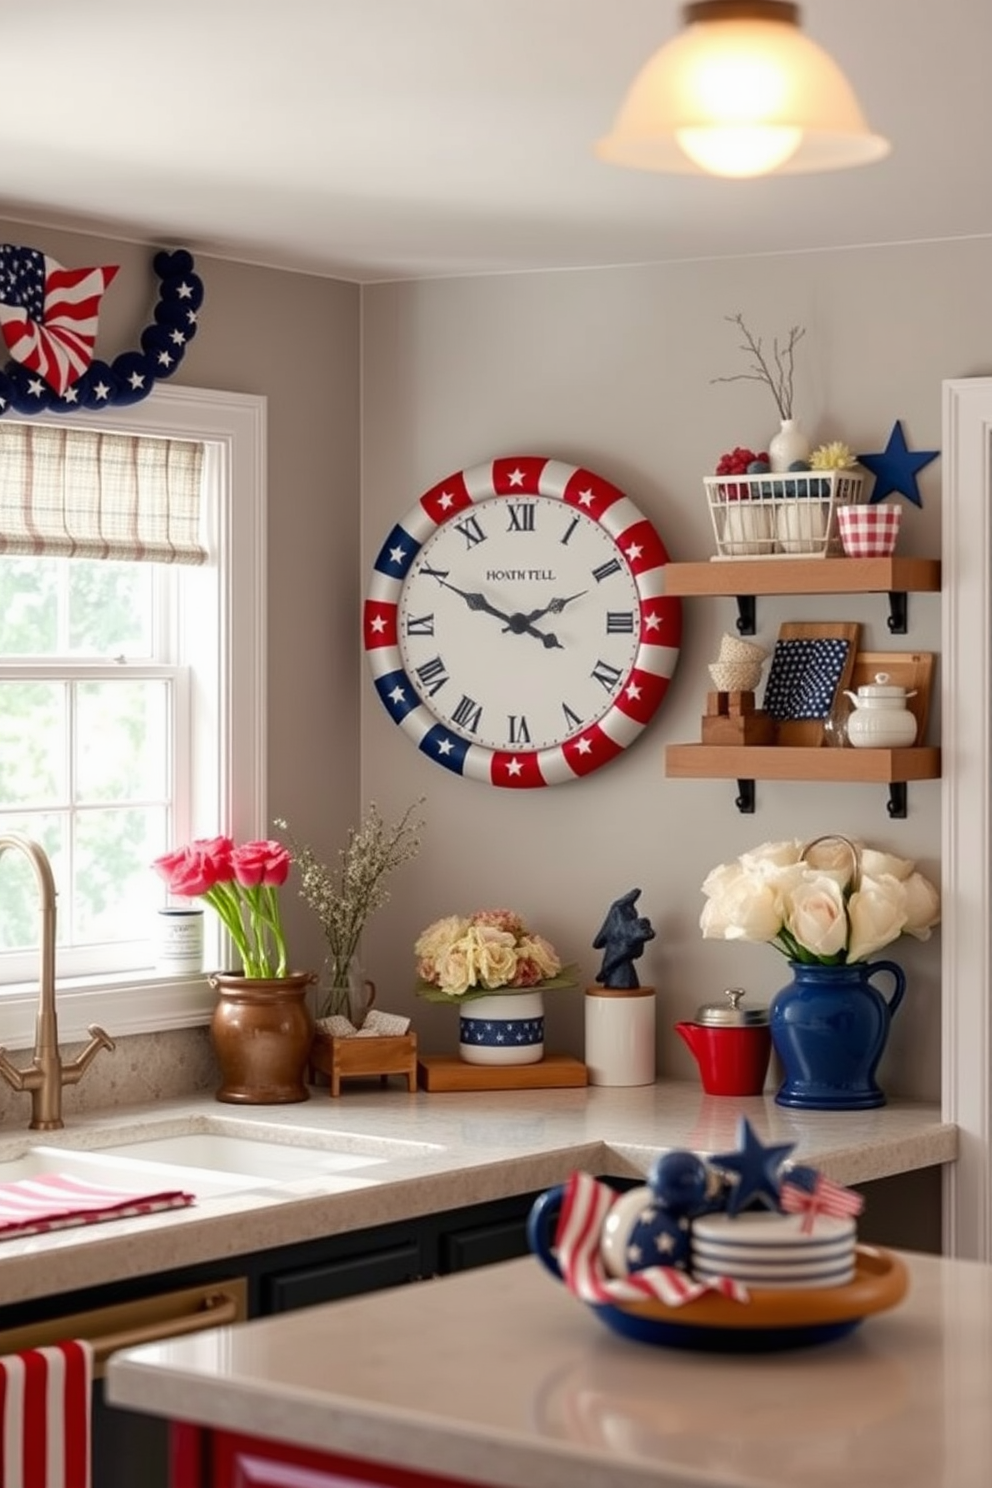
{"x": 33, "y": 1206}
{"x": 580, "y": 1223}
{"x": 45, "y": 1417}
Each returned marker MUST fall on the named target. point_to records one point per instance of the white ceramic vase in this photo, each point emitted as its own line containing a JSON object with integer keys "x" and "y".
{"x": 502, "y": 1029}
{"x": 789, "y": 444}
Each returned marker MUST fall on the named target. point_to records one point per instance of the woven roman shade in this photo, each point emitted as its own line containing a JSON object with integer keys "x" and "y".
{"x": 76, "y": 493}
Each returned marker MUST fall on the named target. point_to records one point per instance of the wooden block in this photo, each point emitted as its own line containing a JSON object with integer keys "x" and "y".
{"x": 740, "y": 728}
{"x": 447, "y": 1072}
{"x": 724, "y": 704}
{"x": 354, "y": 1058}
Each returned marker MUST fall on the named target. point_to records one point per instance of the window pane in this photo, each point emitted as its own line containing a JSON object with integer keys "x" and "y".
{"x": 122, "y": 743}
{"x": 20, "y": 922}
{"x": 29, "y": 606}
{"x": 110, "y": 608}
{"x": 117, "y": 891}
{"x": 32, "y": 747}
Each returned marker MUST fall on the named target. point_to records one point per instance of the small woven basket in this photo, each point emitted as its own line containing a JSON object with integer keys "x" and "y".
{"x": 732, "y": 648}
{"x": 735, "y": 676}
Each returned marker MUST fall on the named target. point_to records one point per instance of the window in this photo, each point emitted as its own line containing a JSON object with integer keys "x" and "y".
{"x": 145, "y": 686}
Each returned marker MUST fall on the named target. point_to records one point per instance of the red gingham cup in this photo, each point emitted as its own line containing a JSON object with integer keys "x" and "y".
{"x": 869, "y": 531}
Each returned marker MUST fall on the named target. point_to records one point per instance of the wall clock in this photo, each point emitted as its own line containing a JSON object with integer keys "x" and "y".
{"x": 515, "y": 623}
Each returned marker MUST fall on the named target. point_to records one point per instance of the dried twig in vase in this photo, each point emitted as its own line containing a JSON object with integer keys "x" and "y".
{"x": 779, "y": 381}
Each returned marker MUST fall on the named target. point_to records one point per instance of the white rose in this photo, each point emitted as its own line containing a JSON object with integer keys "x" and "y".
{"x": 494, "y": 955}
{"x": 772, "y": 854}
{"x": 455, "y": 973}
{"x": 747, "y": 909}
{"x": 816, "y": 917}
{"x": 834, "y": 856}
{"x": 876, "y": 865}
{"x": 877, "y": 911}
{"x": 922, "y": 906}
{"x": 720, "y": 879}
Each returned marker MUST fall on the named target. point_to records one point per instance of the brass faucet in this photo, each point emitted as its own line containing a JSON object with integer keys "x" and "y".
{"x": 46, "y": 1074}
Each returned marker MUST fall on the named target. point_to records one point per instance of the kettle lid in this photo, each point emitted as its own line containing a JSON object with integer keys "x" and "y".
{"x": 883, "y": 688}
{"x": 730, "y": 1014}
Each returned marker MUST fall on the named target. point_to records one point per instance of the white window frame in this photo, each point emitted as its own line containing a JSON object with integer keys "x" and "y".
{"x": 231, "y": 765}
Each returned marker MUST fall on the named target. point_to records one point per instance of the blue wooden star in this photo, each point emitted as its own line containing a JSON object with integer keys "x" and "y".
{"x": 895, "y": 469}
{"x": 756, "y": 1167}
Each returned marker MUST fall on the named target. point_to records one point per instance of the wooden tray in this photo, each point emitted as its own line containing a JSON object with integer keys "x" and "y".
{"x": 910, "y": 669}
{"x": 448, "y": 1072}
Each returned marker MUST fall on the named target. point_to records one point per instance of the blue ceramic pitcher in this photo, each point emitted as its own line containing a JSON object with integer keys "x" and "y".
{"x": 829, "y": 1026}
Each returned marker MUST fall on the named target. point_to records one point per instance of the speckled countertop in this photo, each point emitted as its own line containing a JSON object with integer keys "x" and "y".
{"x": 429, "y": 1153}
{"x": 498, "y": 1376}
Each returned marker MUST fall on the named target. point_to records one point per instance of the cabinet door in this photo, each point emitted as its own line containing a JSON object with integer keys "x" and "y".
{"x": 243, "y": 1462}
{"x": 345, "y": 1276}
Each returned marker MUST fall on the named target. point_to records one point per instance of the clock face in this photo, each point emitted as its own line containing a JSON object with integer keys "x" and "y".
{"x": 516, "y": 626}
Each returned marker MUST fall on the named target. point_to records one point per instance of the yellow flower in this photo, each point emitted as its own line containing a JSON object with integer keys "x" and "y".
{"x": 833, "y": 456}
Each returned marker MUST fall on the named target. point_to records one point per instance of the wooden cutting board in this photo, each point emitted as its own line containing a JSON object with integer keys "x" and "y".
{"x": 448, "y": 1072}
{"x": 910, "y": 669}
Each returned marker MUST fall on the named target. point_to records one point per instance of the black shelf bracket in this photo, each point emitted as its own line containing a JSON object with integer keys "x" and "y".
{"x": 746, "y": 614}
{"x": 897, "y": 800}
{"x": 744, "y": 800}
{"x": 898, "y": 611}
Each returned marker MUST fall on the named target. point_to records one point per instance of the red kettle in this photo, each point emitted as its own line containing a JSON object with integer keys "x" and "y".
{"x": 732, "y": 1045}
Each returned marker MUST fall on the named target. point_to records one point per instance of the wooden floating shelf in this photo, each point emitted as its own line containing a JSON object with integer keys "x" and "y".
{"x": 732, "y": 576}
{"x": 779, "y": 762}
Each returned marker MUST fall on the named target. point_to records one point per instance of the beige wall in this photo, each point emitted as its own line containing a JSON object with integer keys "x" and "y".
{"x": 613, "y": 369}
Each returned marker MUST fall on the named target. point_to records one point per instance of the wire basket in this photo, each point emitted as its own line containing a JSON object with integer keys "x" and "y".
{"x": 782, "y": 515}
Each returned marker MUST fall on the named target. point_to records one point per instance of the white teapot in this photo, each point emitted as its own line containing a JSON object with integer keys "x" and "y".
{"x": 881, "y": 719}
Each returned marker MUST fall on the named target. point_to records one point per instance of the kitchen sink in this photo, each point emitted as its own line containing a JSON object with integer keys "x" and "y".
{"x": 197, "y": 1155}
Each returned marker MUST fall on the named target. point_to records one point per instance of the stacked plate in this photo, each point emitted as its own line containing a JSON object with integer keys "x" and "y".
{"x": 773, "y": 1250}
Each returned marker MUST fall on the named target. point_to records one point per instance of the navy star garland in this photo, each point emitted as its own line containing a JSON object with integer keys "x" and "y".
{"x": 130, "y": 377}
{"x": 895, "y": 469}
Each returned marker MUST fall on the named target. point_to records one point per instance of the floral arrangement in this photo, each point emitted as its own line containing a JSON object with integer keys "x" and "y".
{"x": 241, "y": 884}
{"x": 777, "y": 377}
{"x": 843, "y": 907}
{"x": 833, "y": 456}
{"x": 462, "y": 957}
{"x": 345, "y": 897}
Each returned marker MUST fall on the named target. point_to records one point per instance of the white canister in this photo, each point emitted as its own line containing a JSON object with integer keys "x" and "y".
{"x": 620, "y": 1035}
{"x": 179, "y": 942}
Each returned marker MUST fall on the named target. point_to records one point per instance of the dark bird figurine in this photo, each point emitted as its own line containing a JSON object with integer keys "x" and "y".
{"x": 622, "y": 939}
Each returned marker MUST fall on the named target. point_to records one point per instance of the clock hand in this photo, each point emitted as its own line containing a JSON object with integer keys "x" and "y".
{"x": 518, "y": 624}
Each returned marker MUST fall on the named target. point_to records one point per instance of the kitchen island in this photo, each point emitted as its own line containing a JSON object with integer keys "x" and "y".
{"x": 499, "y": 1377}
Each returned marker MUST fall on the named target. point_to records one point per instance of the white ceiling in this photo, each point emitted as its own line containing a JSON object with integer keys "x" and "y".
{"x": 381, "y": 139}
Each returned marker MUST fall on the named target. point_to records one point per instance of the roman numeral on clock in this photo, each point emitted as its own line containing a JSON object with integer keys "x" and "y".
{"x": 619, "y": 622}
{"x": 572, "y": 719}
{"x": 433, "y": 675}
{"x": 471, "y": 531}
{"x": 606, "y": 570}
{"x": 518, "y": 730}
{"x": 521, "y": 517}
{"x": 468, "y": 714}
{"x": 422, "y": 625}
{"x": 607, "y": 675}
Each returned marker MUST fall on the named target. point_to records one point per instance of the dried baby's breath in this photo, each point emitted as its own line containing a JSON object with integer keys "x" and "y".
{"x": 344, "y": 897}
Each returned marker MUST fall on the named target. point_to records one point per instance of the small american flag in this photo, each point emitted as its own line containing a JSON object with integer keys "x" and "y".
{"x": 805, "y": 1191}
{"x": 48, "y": 314}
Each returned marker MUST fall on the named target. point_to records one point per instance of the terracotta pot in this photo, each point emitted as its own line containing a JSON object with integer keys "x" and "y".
{"x": 262, "y": 1030}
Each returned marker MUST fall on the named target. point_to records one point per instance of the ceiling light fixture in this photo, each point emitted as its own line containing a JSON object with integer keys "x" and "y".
{"x": 741, "y": 92}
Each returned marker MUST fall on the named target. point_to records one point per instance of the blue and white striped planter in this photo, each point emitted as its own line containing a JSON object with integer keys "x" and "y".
{"x": 502, "y": 1030}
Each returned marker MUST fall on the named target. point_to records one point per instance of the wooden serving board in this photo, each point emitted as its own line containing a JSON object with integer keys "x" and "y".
{"x": 448, "y": 1072}
{"x": 808, "y": 732}
{"x": 910, "y": 669}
